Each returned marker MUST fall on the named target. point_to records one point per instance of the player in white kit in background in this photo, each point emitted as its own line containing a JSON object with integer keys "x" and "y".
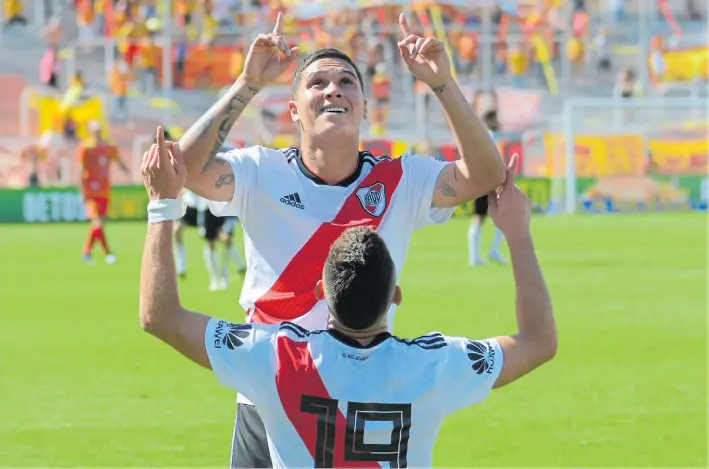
{"x": 352, "y": 395}
{"x": 480, "y": 213}
{"x": 215, "y": 230}
{"x": 293, "y": 203}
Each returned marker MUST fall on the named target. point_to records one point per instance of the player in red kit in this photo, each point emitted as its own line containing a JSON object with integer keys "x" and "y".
{"x": 95, "y": 157}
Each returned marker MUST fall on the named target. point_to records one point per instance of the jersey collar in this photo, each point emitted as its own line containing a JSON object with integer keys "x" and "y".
{"x": 378, "y": 339}
{"x": 316, "y": 179}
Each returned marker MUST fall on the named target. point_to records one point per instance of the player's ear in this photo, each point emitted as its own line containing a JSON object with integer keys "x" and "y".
{"x": 293, "y": 109}
{"x": 364, "y": 116}
{"x": 398, "y": 296}
{"x": 319, "y": 291}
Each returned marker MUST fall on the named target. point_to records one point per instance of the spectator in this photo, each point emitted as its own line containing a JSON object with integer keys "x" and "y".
{"x": 381, "y": 92}
{"x": 517, "y": 65}
{"x": 149, "y": 60}
{"x": 576, "y": 54}
{"x": 120, "y": 83}
{"x": 86, "y": 23}
{"x": 71, "y": 98}
{"x": 467, "y": 53}
{"x": 627, "y": 86}
{"x": 603, "y": 50}
{"x": 14, "y": 12}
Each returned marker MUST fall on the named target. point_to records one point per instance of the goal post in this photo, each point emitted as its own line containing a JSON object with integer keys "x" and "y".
{"x": 609, "y": 155}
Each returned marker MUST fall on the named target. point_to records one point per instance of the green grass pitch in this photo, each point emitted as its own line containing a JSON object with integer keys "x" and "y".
{"x": 82, "y": 386}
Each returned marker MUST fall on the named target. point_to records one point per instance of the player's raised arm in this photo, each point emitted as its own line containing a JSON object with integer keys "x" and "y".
{"x": 536, "y": 340}
{"x": 161, "y": 313}
{"x": 480, "y": 168}
{"x": 207, "y": 174}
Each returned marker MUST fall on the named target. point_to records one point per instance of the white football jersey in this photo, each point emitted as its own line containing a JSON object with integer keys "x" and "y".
{"x": 326, "y": 401}
{"x": 291, "y": 218}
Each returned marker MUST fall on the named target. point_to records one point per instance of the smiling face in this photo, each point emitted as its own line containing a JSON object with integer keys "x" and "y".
{"x": 328, "y": 99}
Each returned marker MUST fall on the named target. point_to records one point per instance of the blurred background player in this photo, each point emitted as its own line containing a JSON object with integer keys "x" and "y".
{"x": 208, "y": 226}
{"x": 475, "y": 230}
{"x": 212, "y": 229}
{"x": 95, "y": 157}
{"x": 230, "y": 250}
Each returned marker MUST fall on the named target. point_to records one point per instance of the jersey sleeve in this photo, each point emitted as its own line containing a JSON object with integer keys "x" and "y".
{"x": 239, "y": 354}
{"x": 471, "y": 370}
{"x": 244, "y": 162}
{"x": 421, "y": 174}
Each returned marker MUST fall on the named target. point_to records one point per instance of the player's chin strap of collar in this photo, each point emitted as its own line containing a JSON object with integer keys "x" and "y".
{"x": 165, "y": 209}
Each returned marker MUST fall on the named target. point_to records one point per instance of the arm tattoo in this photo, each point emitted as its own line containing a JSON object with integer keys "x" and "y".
{"x": 212, "y": 161}
{"x": 446, "y": 189}
{"x": 235, "y": 107}
{"x": 438, "y": 89}
{"x": 225, "y": 179}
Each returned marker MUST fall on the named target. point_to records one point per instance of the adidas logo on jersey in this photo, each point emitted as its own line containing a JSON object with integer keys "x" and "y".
{"x": 293, "y": 200}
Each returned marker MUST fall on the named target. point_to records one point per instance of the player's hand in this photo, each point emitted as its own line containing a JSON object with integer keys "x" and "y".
{"x": 163, "y": 169}
{"x": 426, "y": 57}
{"x": 268, "y": 57}
{"x": 510, "y": 210}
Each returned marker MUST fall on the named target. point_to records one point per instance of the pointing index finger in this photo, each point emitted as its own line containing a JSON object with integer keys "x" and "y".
{"x": 404, "y": 25}
{"x": 278, "y": 28}
{"x": 160, "y": 137}
{"x": 162, "y": 151}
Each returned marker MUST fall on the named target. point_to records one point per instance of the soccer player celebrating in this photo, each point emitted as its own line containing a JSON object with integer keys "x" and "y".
{"x": 95, "y": 158}
{"x": 294, "y": 203}
{"x": 351, "y": 395}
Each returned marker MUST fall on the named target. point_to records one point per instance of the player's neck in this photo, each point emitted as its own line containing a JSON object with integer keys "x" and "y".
{"x": 364, "y": 336}
{"x": 333, "y": 162}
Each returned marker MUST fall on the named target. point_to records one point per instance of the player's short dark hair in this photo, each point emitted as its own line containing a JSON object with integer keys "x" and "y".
{"x": 318, "y": 55}
{"x": 359, "y": 277}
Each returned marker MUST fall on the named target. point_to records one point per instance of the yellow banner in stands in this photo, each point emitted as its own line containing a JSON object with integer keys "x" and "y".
{"x": 609, "y": 155}
{"x": 52, "y": 117}
{"x": 679, "y": 156}
{"x": 682, "y": 65}
{"x": 596, "y": 155}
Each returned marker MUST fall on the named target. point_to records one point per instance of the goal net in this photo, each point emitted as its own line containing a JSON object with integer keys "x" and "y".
{"x": 628, "y": 155}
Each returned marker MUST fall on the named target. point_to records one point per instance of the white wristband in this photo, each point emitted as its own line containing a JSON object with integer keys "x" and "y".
{"x": 165, "y": 209}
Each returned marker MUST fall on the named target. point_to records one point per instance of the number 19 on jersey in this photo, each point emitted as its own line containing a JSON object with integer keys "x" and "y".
{"x": 358, "y": 414}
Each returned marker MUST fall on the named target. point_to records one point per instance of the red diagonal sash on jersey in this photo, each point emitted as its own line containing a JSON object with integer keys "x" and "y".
{"x": 297, "y": 377}
{"x": 292, "y": 294}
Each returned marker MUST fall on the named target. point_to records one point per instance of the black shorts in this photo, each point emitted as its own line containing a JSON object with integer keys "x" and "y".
{"x": 212, "y": 224}
{"x": 481, "y": 206}
{"x": 249, "y": 447}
